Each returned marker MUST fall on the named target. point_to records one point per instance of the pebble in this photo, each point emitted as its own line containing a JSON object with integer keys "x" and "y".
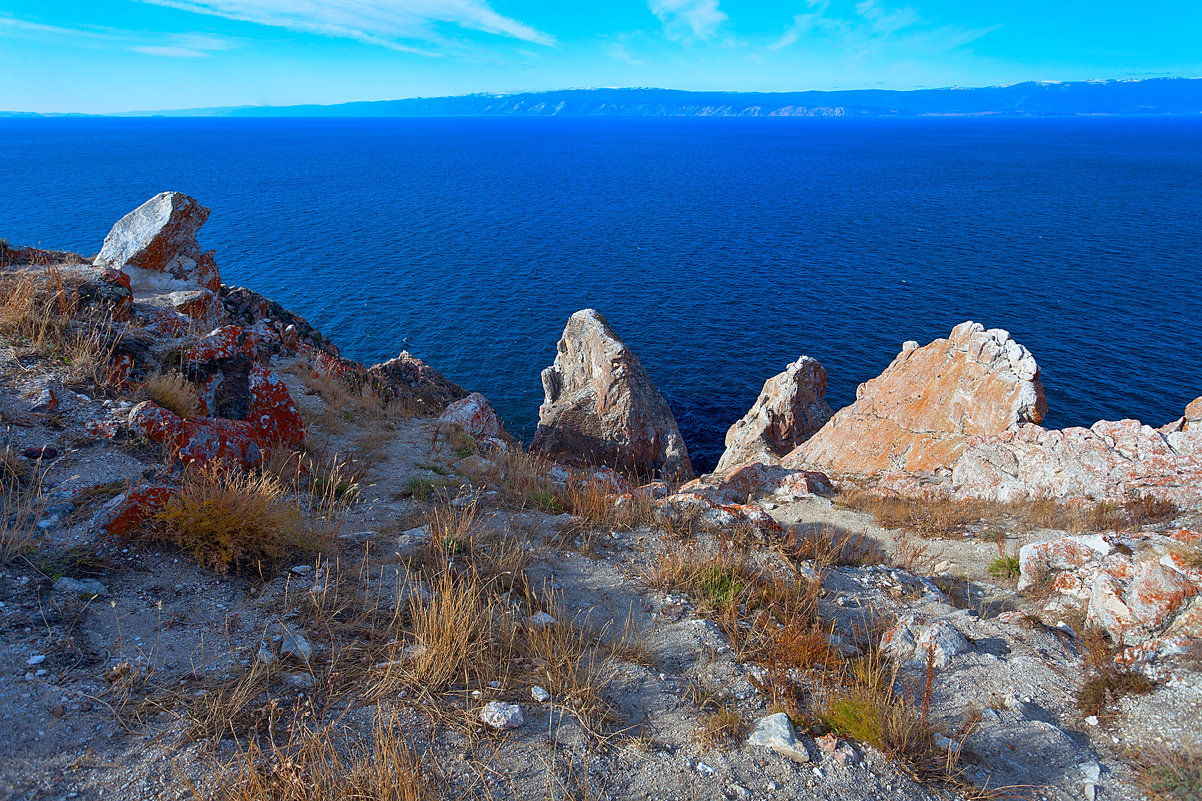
{"x": 37, "y": 659}
{"x": 540, "y": 695}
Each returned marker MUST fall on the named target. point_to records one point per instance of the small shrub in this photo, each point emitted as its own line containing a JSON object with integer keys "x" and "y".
{"x": 721, "y": 727}
{"x": 1105, "y": 683}
{"x": 1004, "y": 567}
{"x": 174, "y": 393}
{"x": 720, "y": 586}
{"x": 422, "y": 489}
{"x": 1172, "y": 774}
{"x": 545, "y": 501}
{"x": 225, "y": 518}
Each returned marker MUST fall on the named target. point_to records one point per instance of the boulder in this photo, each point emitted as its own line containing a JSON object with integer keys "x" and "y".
{"x": 200, "y": 440}
{"x": 1138, "y": 587}
{"x": 475, "y": 415}
{"x": 915, "y": 639}
{"x": 758, "y": 479}
{"x": 125, "y": 513}
{"x": 921, "y": 412}
{"x": 790, "y": 409}
{"x": 155, "y": 245}
{"x": 601, "y": 407}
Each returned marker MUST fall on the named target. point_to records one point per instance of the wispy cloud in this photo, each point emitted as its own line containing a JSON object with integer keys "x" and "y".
{"x": 387, "y": 23}
{"x": 871, "y": 26}
{"x": 170, "y": 45}
{"x": 688, "y": 19}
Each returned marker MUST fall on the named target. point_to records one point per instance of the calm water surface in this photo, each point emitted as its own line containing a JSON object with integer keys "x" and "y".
{"x": 720, "y": 250}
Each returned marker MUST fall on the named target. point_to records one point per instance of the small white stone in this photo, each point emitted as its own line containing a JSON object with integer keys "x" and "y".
{"x": 502, "y": 716}
{"x": 540, "y": 695}
{"x": 36, "y": 659}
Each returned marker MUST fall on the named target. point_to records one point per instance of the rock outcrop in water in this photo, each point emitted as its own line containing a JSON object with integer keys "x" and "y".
{"x": 600, "y": 406}
{"x": 919, "y": 415}
{"x": 790, "y": 409}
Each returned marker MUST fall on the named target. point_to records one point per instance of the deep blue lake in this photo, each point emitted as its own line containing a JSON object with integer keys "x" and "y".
{"x": 719, "y": 249}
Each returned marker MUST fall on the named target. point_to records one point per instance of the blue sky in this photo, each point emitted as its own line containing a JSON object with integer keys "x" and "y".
{"x": 115, "y": 55}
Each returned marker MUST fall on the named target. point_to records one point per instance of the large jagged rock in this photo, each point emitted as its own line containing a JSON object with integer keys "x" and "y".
{"x": 1111, "y": 460}
{"x": 920, "y": 413}
{"x": 601, "y": 407}
{"x": 790, "y": 409}
{"x": 155, "y": 245}
{"x": 407, "y": 379}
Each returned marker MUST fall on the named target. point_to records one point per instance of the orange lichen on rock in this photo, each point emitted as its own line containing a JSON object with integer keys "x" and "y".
{"x": 920, "y": 413}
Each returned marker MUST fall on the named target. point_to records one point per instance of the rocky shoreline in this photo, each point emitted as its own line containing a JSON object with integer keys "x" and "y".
{"x": 932, "y": 531}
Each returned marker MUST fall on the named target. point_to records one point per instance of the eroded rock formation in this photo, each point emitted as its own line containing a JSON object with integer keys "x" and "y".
{"x": 1110, "y": 460}
{"x": 600, "y": 406}
{"x": 790, "y": 409}
{"x": 920, "y": 413}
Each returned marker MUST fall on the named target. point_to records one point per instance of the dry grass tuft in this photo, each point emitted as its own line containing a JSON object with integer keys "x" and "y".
{"x": 21, "y": 504}
{"x": 174, "y": 393}
{"x": 41, "y": 312}
{"x": 827, "y": 546}
{"x": 721, "y": 728}
{"x": 323, "y": 764}
{"x": 225, "y": 519}
{"x": 946, "y": 518}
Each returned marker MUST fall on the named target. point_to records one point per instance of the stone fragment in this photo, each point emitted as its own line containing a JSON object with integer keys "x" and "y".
{"x": 916, "y": 639}
{"x": 775, "y": 732}
{"x": 920, "y": 413}
{"x": 789, "y": 410}
{"x": 88, "y": 587}
{"x": 502, "y": 716}
{"x": 600, "y": 406}
{"x": 540, "y": 695}
{"x": 121, "y": 516}
{"x": 295, "y": 645}
{"x": 475, "y": 415}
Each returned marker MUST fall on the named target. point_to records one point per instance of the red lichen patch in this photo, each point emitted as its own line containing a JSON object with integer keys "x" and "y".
{"x": 1186, "y": 536}
{"x": 120, "y": 370}
{"x": 127, "y": 512}
{"x": 104, "y": 429}
{"x": 206, "y": 273}
{"x": 204, "y": 440}
{"x": 227, "y": 342}
{"x": 157, "y": 424}
{"x": 273, "y": 414}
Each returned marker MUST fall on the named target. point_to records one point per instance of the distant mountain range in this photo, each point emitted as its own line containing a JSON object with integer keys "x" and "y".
{"x": 1163, "y": 96}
